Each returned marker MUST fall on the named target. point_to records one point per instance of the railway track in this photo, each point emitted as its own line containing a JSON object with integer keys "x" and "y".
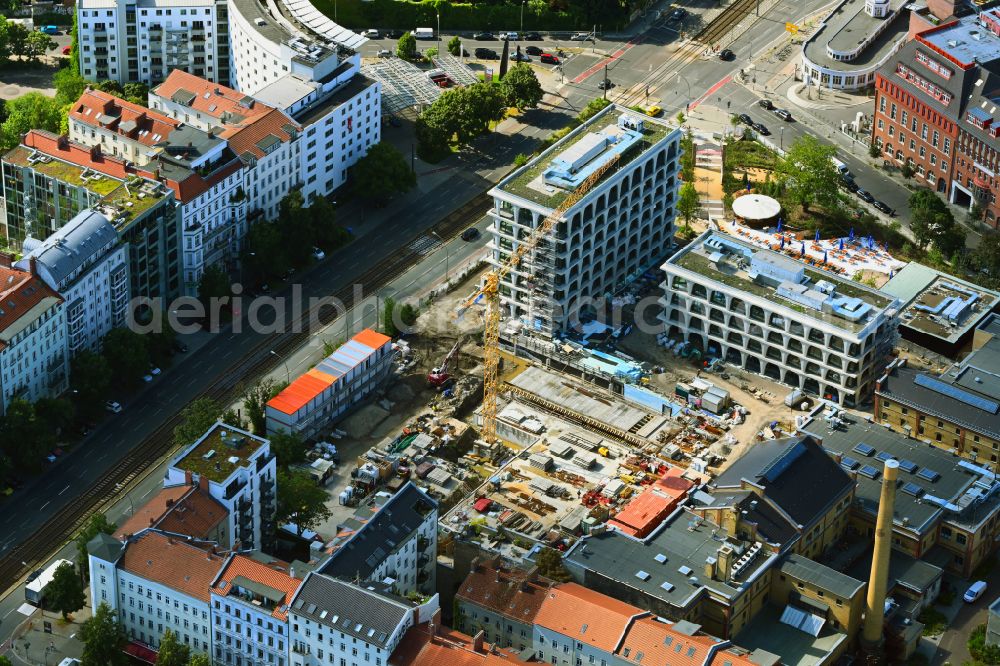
{"x": 708, "y": 37}
{"x": 38, "y": 547}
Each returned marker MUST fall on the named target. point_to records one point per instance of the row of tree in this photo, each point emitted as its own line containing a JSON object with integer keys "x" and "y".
{"x": 17, "y": 42}
{"x": 103, "y": 640}
{"x": 460, "y": 115}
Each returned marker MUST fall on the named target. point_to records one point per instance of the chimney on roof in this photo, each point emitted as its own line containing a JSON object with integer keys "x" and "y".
{"x": 477, "y": 642}
{"x": 170, "y": 502}
{"x": 435, "y": 622}
{"x": 151, "y": 521}
{"x": 6, "y": 259}
{"x": 188, "y": 478}
{"x": 203, "y": 482}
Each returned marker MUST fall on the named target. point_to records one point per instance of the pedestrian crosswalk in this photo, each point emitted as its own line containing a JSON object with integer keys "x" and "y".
{"x": 424, "y": 245}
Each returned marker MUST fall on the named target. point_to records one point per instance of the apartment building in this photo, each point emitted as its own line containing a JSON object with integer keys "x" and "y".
{"x": 622, "y": 227}
{"x": 240, "y": 472}
{"x": 250, "y": 602}
{"x": 326, "y": 392}
{"x": 34, "y": 353}
{"x": 431, "y": 643}
{"x": 264, "y": 138}
{"x": 124, "y": 40}
{"x": 771, "y": 314}
{"x": 155, "y": 581}
{"x": 123, "y": 129}
{"x": 935, "y": 107}
{"x": 335, "y": 621}
{"x": 50, "y": 179}
{"x": 392, "y": 539}
{"x": 84, "y": 262}
{"x": 947, "y": 510}
{"x": 501, "y": 602}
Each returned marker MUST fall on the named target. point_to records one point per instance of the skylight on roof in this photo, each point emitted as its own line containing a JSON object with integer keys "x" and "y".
{"x": 869, "y": 471}
{"x": 864, "y": 449}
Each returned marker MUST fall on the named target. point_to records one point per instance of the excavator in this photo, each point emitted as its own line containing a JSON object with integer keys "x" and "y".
{"x": 439, "y": 376}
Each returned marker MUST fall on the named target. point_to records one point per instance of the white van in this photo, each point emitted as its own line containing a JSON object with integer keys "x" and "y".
{"x": 424, "y": 33}
{"x": 841, "y": 167}
{"x": 975, "y": 591}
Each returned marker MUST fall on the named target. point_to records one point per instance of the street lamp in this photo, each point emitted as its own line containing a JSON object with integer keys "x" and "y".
{"x": 447, "y": 258}
{"x": 523, "y": 2}
{"x": 439, "y": 33}
{"x": 288, "y": 375}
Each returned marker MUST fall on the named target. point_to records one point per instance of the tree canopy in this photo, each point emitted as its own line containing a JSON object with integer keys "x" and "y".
{"x": 254, "y": 400}
{"x": 406, "y": 47}
{"x": 300, "y": 500}
{"x": 688, "y": 202}
{"x": 521, "y": 88}
{"x": 288, "y": 448}
{"x": 64, "y": 594}
{"x": 459, "y": 114}
{"x": 809, "y": 173}
{"x": 455, "y": 46}
{"x": 128, "y": 355}
{"x": 550, "y": 564}
{"x": 90, "y": 375}
{"x": 197, "y": 418}
{"x": 103, "y": 639}
{"x": 31, "y": 111}
{"x": 171, "y": 651}
{"x": 932, "y": 222}
{"x": 382, "y": 173}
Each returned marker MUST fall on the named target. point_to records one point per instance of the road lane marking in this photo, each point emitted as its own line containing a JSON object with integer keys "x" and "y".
{"x": 42, "y": 508}
{"x": 710, "y": 91}
{"x": 64, "y": 490}
{"x": 607, "y": 61}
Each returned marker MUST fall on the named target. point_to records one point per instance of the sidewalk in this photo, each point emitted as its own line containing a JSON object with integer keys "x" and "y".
{"x": 45, "y": 639}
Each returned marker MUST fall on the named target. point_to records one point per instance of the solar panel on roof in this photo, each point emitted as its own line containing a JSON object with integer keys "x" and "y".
{"x": 912, "y": 489}
{"x": 849, "y": 462}
{"x": 927, "y": 474}
{"x": 907, "y": 465}
{"x": 869, "y": 471}
{"x": 950, "y": 391}
{"x": 864, "y": 449}
{"x": 882, "y": 456}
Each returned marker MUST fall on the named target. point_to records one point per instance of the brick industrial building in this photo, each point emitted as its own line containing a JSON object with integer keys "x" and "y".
{"x": 936, "y": 107}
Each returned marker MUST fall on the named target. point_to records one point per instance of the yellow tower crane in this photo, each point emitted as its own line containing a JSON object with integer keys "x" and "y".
{"x": 490, "y": 291}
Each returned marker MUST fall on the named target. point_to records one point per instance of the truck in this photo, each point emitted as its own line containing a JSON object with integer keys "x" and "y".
{"x": 34, "y": 591}
{"x": 423, "y": 33}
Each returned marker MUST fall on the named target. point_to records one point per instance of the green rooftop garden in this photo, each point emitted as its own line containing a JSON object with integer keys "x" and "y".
{"x": 65, "y": 172}
{"x": 519, "y": 183}
{"x": 130, "y": 202}
{"x": 229, "y": 454}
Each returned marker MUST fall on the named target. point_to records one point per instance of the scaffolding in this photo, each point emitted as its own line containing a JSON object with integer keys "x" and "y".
{"x": 455, "y": 69}
{"x": 403, "y": 85}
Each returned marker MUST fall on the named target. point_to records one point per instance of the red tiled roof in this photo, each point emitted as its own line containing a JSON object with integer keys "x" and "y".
{"x": 20, "y": 291}
{"x": 733, "y": 657}
{"x": 447, "y": 648}
{"x": 150, "y": 512}
{"x": 75, "y": 153}
{"x": 179, "y": 565}
{"x": 513, "y": 593}
{"x": 586, "y": 616}
{"x": 247, "y": 122}
{"x": 660, "y": 643}
{"x": 97, "y": 108}
{"x": 275, "y": 576}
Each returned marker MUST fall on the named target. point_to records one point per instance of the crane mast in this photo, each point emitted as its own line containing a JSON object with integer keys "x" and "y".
{"x": 490, "y": 292}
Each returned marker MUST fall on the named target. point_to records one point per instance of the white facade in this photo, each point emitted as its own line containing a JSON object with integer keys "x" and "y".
{"x": 620, "y": 228}
{"x": 127, "y": 41}
{"x": 338, "y": 622}
{"x": 84, "y": 262}
{"x": 802, "y": 327}
{"x": 243, "y": 479}
{"x": 34, "y": 351}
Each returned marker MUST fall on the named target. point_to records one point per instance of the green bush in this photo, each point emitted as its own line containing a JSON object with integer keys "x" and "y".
{"x": 988, "y": 654}
{"x": 934, "y": 621}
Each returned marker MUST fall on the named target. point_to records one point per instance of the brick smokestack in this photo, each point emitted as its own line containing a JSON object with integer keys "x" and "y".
{"x": 871, "y": 632}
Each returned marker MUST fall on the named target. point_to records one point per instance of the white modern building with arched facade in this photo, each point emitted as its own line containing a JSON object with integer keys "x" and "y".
{"x": 775, "y": 316}
{"x": 854, "y": 40}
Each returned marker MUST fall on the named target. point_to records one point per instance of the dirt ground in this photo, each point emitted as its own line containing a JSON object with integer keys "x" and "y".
{"x": 708, "y": 182}
{"x": 643, "y": 347}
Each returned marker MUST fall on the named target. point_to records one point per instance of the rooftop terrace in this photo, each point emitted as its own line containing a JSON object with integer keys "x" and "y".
{"x": 63, "y": 171}
{"x": 215, "y": 456}
{"x": 128, "y": 203}
{"x": 965, "y": 40}
{"x": 528, "y": 182}
{"x": 948, "y": 308}
{"x": 731, "y": 266}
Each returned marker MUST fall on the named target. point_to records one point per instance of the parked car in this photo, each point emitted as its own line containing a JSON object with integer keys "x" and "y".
{"x": 766, "y": 104}
{"x": 487, "y": 54}
{"x": 318, "y": 254}
{"x": 606, "y": 84}
{"x": 533, "y": 50}
{"x": 372, "y": 33}
{"x": 155, "y": 371}
{"x": 865, "y": 196}
{"x": 533, "y": 36}
{"x": 483, "y": 36}
{"x": 384, "y": 53}
{"x": 180, "y": 347}
{"x": 394, "y": 34}
{"x": 678, "y": 14}
{"x": 509, "y": 36}
{"x": 113, "y": 406}
{"x": 654, "y": 111}
{"x": 50, "y": 30}
{"x": 849, "y": 185}
{"x": 66, "y": 50}
{"x": 580, "y": 37}
{"x": 761, "y": 129}
{"x": 884, "y": 207}
{"x": 548, "y": 58}
{"x": 520, "y": 57}
{"x": 746, "y": 120}
{"x": 783, "y": 114}
{"x": 147, "y": 378}
{"x": 975, "y": 591}
{"x": 727, "y": 55}
{"x": 470, "y": 234}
